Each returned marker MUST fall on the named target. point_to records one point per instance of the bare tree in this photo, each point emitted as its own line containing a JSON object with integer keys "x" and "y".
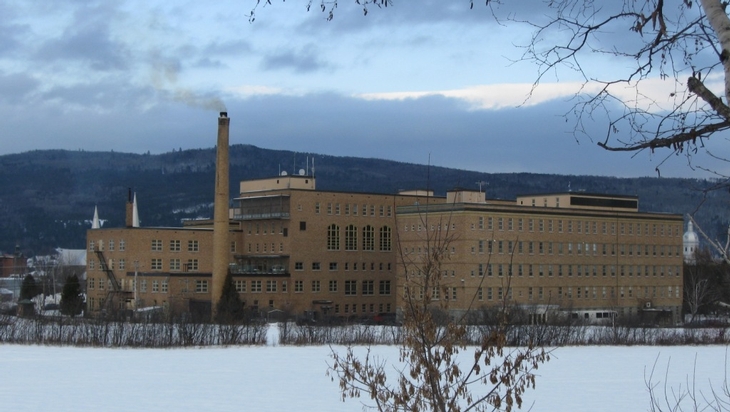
{"x": 698, "y": 290}
{"x": 440, "y": 373}
{"x": 680, "y": 47}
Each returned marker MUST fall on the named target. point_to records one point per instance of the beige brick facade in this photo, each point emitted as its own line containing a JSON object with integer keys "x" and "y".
{"x": 300, "y": 251}
{"x": 577, "y": 253}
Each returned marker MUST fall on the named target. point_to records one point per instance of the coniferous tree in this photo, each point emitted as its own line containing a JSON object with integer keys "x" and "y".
{"x": 72, "y": 300}
{"x": 29, "y": 289}
{"x": 230, "y": 307}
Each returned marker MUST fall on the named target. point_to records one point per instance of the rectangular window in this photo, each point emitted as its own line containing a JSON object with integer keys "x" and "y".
{"x": 156, "y": 245}
{"x": 174, "y": 265}
{"x": 192, "y": 265}
{"x": 255, "y": 286}
{"x": 298, "y": 265}
{"x": 156, "y": 264}
{"x": 298, "y": 286}
{"x": 315, "y": 286}
{"x": 333, "y": 265}
{"x": 122, "y": 264}
{"x": 315, "y": 266}
{"x": 271, "y": 286}
{"x": 122, "y": 245}
{"x": 174, "y": 246}
{"x": 333, "y": 286}
{"x": 164, "y": 287}
{"x": 368, "y": 287}
{"x": 350, "y": 287}
{"x": 384, "y": 287}
{"x": 193, "y": 246}
{"x": 240, "y": 286}
{"x": 201, "y": 286}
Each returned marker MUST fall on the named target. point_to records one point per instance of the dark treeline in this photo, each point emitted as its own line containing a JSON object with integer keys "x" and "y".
{"x": 47, "y": 198}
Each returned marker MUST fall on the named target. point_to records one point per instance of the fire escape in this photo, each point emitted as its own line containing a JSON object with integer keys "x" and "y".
{"x": 116, "y": 289}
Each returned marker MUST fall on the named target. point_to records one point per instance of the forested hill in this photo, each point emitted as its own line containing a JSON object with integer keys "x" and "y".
{"x": 47, "y": 198}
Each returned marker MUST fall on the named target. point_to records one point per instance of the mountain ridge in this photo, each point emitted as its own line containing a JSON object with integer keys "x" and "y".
{"x": 47, "y": 197}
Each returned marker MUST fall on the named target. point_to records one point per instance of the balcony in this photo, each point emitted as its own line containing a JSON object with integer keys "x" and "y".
{"x": 260, "y": 267}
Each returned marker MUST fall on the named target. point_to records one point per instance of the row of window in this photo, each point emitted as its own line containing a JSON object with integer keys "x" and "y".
{"x": 333, "y": 266}
{"x": 350, "y": 287}
{"x": 577, "y": 226}
{"x": 265, "y": 247}
{"x": 175, "y": 245}
{"x": 99, "y": 245}
{"x": 353, "y": 209}
{"x": 353, "y": 308}
{"x": 173, "y": 265}
{"x": 157, "y": 286}
{"x": 367, "y": 238}
{"x": 550, "y": 226}
{"x": 568, "y": 292}
{"x": 578, "y": 248}
{"x": 560, "y": 248}
{"x": 569, "y": 270}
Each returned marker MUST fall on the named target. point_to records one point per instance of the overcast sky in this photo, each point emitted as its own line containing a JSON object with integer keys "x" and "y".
{"x": 419, "y": 79}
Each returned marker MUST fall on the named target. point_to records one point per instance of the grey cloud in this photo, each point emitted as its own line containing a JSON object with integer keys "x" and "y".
{"x": 91, "y": 44}
{"x": 88, "y": 39}
{"x": 228, "y": 48}
{"x": 16, "y": 87}
{"x": 528, "y": 139}
{"x": 301, "y": 61}
{"x": 110, "y": 94}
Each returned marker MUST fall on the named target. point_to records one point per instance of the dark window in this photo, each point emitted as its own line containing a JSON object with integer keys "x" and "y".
{"x": 302, "y": 226}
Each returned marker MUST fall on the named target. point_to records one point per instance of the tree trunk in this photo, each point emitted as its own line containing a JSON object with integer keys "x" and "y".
{"x": 715, "y": 12}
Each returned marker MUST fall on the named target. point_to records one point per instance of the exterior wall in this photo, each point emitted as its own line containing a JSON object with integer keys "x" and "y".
{"x": 13, "y": 265}
{"x": 279, "y": 182}
{"x": 127, "y": 249}
{"x": 576, "y": 259}
{"x": 313, "y": 276}
{"x": 581, "y": 200}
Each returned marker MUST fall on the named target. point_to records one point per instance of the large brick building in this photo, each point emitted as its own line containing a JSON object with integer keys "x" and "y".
{"x": 293, "y": 249}
{"x": 589, "y": 255}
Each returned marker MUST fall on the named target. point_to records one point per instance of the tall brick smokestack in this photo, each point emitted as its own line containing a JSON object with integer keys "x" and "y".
{"x": 220, "y": 212}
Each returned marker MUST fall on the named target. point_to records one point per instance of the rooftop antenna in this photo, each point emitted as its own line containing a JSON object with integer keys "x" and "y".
{"x": 480, "y": 183}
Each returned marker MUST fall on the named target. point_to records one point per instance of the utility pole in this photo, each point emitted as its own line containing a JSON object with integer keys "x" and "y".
{"x": 136, "y": 269}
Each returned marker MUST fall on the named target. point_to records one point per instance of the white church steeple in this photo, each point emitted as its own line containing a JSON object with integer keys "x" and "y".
{"x": 691, "y": 243}
{"x": 95, "y": 222}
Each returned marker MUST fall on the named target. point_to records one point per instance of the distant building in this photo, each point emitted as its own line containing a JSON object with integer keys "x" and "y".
{"x": 585, "y": 254}
{"x": 13, "y": 264}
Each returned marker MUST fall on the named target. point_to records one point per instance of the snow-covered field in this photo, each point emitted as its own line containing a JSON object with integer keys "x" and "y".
{"x": 282, "y": 378}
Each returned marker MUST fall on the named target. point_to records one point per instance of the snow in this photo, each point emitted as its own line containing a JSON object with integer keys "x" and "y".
{"x": 276, "y": 378}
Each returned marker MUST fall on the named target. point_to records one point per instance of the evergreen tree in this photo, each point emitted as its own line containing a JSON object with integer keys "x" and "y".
{"x": 29, "y": 289}
{"x": 230, "y": 308}
{"x": 72, "y": 300}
